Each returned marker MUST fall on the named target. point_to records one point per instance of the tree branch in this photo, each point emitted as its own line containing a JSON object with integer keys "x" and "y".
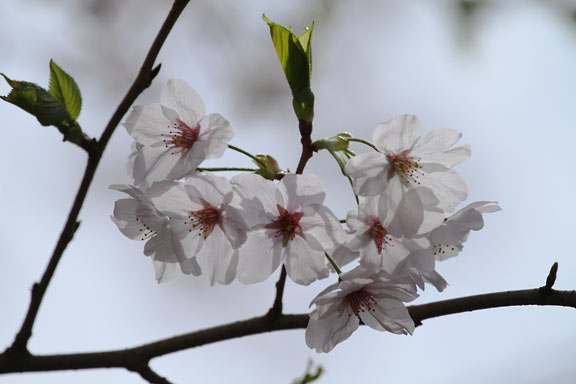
{"x": 95, "y": 150}
{"x": 276, "y": 309}
{"x": 133, "y": 358}
{"x": 149, "y": 375}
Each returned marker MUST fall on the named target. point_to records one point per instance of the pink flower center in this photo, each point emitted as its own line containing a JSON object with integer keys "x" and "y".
{"x": 378, "y": 234}
{"x": 205, "y": 220}
{"x": 286, "y": 225}
{"x": 360, "y": 301}
{"x": 145, "y": 231}
{"x": 180, "y": 136}
{"x": 406, "y": 167}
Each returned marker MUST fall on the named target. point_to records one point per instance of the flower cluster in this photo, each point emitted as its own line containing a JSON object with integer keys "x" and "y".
{"x": 246, "y": 227}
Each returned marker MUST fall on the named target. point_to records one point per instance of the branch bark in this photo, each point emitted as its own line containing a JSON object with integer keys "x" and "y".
{"x": 95, "y": 150}
{"x": 133, "y": 358}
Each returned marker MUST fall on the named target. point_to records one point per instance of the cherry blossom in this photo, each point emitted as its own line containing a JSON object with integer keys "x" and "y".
{"x": 176, "y": 135}
{"x": 207, "y": 228}
{"x": 445, "y": 241}
{"x": 378, "y": 234}
{"x": 448, "y": 238}
{"x": 288, "y": 224}
{"x": 408, "y": 159}
{"x": 360, "y": 295}
{"x": 139, "y": 219}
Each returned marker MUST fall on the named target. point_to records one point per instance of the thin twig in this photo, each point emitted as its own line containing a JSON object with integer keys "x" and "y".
{"x": 95, "y": 150}
{"x": 130, "y": 358}
{"x": 551, "y": 279}
{"x": 276, "y": 309}
{"x": 152, "y": 377}
{"x": 307, "y": 145}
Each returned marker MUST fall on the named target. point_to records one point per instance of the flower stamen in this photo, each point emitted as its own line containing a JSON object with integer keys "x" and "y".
{"x": 286, "y": 225}
{"x": 407, "y": 167}
{"x": 180, "y": 136}
{"x": 204, "y": 220}
{"x": 360, "y": 301}
{"x": 145, "y": 230}
{"x": 378, "y": 234}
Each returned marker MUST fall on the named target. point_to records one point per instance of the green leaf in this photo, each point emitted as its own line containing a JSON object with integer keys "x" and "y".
{"x": 295, "y": 55}
{"x": 65, "y": 90}
{"x": 48, "y": 111}
{"x": 23, "y": 94}
{"x": 310, "y": 375}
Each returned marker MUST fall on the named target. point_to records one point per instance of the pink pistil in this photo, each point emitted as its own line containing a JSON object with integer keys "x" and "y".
{"x": 180, "y": 136}
{"x": 286, "y": 225}
{"x": 205, "y": 220}
{"x": 378, "y": 234}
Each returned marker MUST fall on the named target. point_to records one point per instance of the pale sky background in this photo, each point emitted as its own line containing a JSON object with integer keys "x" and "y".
{"x": 506, "y": 80}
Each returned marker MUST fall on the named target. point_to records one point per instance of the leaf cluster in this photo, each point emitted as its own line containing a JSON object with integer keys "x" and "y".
{"x": 58, "y": 106}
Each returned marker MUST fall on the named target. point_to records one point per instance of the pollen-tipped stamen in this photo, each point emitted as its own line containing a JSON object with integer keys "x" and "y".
{"x": 360, "y": 301}
{"x": 145, "y": 231}
{"x": 286, "y": 225}
{"x": 407, "y": 167}
{"x": 180, "y": 136}
{"x": 204, "y": 220}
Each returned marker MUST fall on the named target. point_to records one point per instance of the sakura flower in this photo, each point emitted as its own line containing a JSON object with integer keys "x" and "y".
{"x": 380, "y": 233}
{"x": 445, "y": 241}
{"x": 408, "y": 159}
{"x": 207, "y": 228}
{"x": 288, "y": 224}
{"x": 375, "y": 299}
{"x": 139, "y": 219}
{"x": 176, "y": 135}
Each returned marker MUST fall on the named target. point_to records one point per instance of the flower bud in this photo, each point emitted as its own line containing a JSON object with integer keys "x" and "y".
{"x": 267, "y": 167}
{"x": 335, "y": 143}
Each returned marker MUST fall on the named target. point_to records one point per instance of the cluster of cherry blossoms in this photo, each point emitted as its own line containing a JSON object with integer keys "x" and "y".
{"x": 245, "y": 227}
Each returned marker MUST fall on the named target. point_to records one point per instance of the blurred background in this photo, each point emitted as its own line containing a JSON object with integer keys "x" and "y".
{"x": 501, "y": 72}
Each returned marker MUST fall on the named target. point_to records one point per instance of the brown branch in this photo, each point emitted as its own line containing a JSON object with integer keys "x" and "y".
{"x": 307, "y": 146}
{"x": 95, "y": 150}
{"x": 276, "y": 309}
{"x": 134, "y": 358}
{"x": 551, "y": 279}
{"x": 149, "y": 375}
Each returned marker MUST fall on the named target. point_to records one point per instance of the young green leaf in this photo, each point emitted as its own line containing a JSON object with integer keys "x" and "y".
{"x": 65, "y": 90}
{"x": 48, "y": 111}
{"x": 295, "y": 55}
{"x": 23, "y": 94}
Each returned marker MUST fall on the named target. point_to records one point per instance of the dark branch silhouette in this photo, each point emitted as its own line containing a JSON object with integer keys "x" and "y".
{"x": 134, "y": 359}
{"x": 95, "y": 150}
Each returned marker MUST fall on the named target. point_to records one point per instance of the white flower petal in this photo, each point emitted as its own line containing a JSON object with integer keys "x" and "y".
{"x": 183, "y": 99}
{"x": 323, "y": 335}
{"x": 217, "y": 132}
{"x": 434, "y": 143}
{"x": 304, "y": 264}
{"x": 389, "y": 315}
{"x": 449, "y": 188}
{"x": 301, "y": 190}
{"x": 216, "y": 258}
{"x": 259, "y": 257}
{"x": 398, "y": 134}
{"x": 146, "y": 124}
{"x": 369, "y": 172}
